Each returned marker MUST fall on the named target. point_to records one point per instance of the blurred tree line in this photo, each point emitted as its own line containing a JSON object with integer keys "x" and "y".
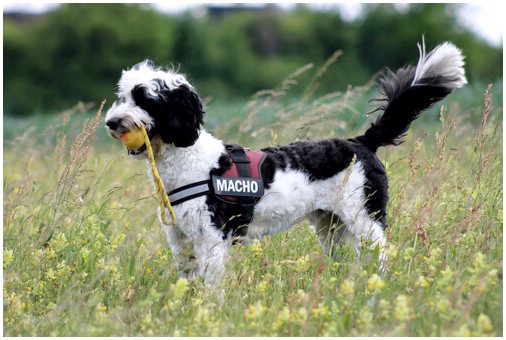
{"x": 77, "y": 51}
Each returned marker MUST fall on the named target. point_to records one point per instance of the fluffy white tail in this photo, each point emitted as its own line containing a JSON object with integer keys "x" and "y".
{"x": 445, "y": 62}
{"x": 410, "y": 91}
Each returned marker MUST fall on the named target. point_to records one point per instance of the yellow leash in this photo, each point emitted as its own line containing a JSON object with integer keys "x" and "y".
{"x": 160, "y": 189}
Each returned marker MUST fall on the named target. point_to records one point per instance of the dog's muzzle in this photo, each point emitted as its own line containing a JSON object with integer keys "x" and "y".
{"x": 117, "y": 129}
{"x": 113, "y": 124}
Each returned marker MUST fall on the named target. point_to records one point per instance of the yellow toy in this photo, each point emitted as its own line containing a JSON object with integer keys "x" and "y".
{"x": 135, "y": 139}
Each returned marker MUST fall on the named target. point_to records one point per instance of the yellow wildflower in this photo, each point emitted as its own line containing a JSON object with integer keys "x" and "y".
{"x": 446, "y": 276}
{"x": 256, "y": 248}
{"x": 492, "y": 277}
{"x": 391, "y": 252}
{"x": 51, "y": 254}
{"x": 434, "y": 259}
{"x": 147, "y": 323}
{"x": 409, "y": 253}
{"x": 483, "y": 324}
{"x": 374, "y": 284}
{"x": 255, "y": 311}
{"x": 203, "y": 317}
{"x": 15, "y": 303}
{"x": 59, "y": 242}
{"x": 423, "y": 281}
{"x": 402, "y": 312}
{"x": 479, "y": 261}
{"x": 179, "y": 288}
{"x": 51, "y": 274}
{"x": 442, "y": 305}
{"x": 384, "y": 307}
{"x": 320, "y": 311}
{"x": 8, "y": 257}
{"x": 263, "y": 286}
{"x": 436, "y": 253}
{"x": 62, "y": 269}
{"x": 302, "y": 264}
{"x": 85, "y": 253}
{"x": 281, "y": 319}
{"x": 335, "y": 265}
{"x": 463, "y": 331}
{"x": 116, "y": 241}
{"x": 347, "y": 288}
{"x": 365, "y": 318}
{"x": 300, "y": 314}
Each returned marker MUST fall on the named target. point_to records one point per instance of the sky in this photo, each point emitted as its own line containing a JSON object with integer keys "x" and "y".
{"x": 484, "y": 18}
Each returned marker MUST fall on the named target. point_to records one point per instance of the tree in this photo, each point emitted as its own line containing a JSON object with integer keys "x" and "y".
{"x": 77, "y": 52}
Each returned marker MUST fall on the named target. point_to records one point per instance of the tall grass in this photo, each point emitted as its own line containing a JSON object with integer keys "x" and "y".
{"x": 84, "y": 255}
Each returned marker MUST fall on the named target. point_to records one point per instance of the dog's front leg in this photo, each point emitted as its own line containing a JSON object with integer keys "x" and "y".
{"x": 211, "y": 251}
{"x": 182, "y": 251}
{"x": 198, "y": 250}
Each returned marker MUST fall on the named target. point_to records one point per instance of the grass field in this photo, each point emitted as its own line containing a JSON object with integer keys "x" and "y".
{"x": 84, "y": 254}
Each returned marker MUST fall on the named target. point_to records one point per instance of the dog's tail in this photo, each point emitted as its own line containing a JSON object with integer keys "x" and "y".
{"x": 412, "y": 90}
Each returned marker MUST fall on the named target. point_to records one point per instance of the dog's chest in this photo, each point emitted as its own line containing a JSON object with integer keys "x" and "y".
{"x": 183, "y": 166}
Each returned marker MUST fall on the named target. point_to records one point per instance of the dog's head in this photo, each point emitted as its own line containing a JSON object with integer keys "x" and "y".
{"x": 160, "y": 100}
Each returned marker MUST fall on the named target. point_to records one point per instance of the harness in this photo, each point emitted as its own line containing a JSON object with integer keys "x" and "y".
{"x": 240, "y": 186}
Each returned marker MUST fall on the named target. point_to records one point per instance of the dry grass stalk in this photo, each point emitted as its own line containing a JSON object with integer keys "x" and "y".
{"x": 77, "y": 158}
{"x": 487, "y": 109}
{"x": 313, "y": 84}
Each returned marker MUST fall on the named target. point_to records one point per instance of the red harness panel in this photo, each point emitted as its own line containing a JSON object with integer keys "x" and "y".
{"x": 256, "y": 159}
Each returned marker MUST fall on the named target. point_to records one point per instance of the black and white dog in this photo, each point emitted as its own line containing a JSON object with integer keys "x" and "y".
{"x": 338, "y": 184}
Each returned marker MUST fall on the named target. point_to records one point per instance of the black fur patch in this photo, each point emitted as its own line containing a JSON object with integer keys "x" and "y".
{"x": 178, "y": 113}
{"x": 319, "y": 159}
{"x": 404, "y": 102}
{"x": 326, "y": 158}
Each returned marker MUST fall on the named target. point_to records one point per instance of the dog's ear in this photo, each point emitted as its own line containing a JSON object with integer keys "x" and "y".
{"x": 178, "y": 114}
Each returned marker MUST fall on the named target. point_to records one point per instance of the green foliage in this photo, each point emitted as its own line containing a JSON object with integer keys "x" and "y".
{"x": 77, "y": 51}
{"x": 436, "y": 22}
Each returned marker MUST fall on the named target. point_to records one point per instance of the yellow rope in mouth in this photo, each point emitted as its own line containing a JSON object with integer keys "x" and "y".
{"x": 160, "y": 188}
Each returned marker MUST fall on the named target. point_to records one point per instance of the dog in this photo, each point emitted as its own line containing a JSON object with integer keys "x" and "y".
{"x": 339, "y": 185}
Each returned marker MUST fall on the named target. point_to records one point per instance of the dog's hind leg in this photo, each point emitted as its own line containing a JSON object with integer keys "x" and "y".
{"x": 332, "y": 233}
{"x": 362, "y": 228}
{"x": 329, "y": 229}
{"x": 351, "y": 205}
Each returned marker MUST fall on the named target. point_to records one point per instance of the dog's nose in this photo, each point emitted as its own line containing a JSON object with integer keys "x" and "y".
{"x": 113, "y": 123}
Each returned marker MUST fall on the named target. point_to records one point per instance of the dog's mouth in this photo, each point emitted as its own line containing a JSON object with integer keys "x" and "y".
{"x": 134, "y": 141}
{"x": 130, "y": 138}
{"x": 135, "y": 152}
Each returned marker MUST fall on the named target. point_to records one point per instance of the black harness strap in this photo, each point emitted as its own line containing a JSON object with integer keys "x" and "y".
{"x": 241, "y": 161}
